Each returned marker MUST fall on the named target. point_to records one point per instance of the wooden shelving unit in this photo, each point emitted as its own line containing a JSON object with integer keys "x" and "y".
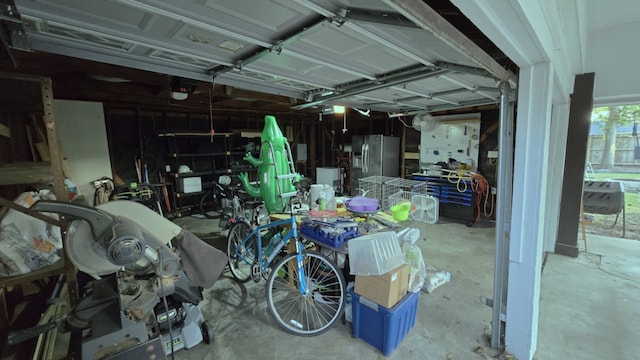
{"x": 410, "y": 155}
{"x": 208, "y": 156}
{"x": 31, "y": 97}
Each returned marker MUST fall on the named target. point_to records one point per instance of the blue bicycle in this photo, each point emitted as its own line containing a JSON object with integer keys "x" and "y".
{"x": 306, "y": 291}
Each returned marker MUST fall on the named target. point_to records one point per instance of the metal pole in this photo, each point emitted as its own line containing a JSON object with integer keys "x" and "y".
{"x": 503, "y": 216}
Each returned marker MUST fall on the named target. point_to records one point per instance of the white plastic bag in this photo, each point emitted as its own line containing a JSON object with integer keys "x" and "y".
{"x": 413, "y": 257}
{"x": 27, "y": 243}
{"x": 435, "y": 278}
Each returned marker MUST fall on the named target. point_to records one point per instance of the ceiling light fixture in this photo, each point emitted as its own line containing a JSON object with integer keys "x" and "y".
{"x": 181, "y": 88}
{"x": 177, "y": 95}
{"x": 335, "y": 109}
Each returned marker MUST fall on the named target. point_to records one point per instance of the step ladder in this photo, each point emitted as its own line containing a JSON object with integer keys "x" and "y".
{"x": 284, "y": 197}
{"x": 588, "y": 171}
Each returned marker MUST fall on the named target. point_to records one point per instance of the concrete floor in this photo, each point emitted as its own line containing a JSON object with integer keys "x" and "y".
{"x": 588, "y": 307}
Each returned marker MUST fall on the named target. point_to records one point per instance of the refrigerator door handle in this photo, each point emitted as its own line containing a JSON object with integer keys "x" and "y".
{"x": 365, "y": 159}
{"x": 362, "y": 153}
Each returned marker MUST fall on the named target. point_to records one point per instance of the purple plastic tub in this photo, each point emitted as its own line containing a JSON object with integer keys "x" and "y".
{"x": 361, "y": 203}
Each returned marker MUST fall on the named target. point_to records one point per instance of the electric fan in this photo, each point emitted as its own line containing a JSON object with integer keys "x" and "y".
{"x": 426, "y": 208}
{"x": 424, "y": 122}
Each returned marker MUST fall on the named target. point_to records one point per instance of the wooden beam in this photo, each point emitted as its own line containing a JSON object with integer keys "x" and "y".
{"x": 58, "y": 181}
{"x": 26, "y": 173}
{"x": 489, "y": 131}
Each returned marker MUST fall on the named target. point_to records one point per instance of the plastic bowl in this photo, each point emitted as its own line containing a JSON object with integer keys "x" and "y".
{"x": 360, "y": 203}
{"x": 354, "y": 205}
{"x": 370, "y": 204}
{"x": 400, "y": 211}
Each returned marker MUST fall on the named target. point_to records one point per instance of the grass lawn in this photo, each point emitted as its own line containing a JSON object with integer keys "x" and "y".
{"x": 632, "y": 204}
{"x": 605, "y": 176}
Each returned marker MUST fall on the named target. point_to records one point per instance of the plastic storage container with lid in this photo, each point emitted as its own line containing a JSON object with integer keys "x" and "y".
{"x": 375, "y": 254}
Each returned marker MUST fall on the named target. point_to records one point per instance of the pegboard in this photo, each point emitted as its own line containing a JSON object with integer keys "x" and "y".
{"x": 457, "y": 139}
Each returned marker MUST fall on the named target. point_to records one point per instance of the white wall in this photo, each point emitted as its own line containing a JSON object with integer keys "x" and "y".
{"x": 83, "y": 138}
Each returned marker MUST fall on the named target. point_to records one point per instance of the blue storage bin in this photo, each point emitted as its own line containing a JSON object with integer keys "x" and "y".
{"x": 383, "y": 327}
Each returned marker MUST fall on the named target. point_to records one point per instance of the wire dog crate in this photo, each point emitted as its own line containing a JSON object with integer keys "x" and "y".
{"x": 398, "y": 197}
{"x": 392, "y": 190}
{"x": 399, "y": 190}
{"x": 375, "y": 186}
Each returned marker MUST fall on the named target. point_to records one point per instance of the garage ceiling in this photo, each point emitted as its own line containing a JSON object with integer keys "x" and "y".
{"x": 396, "y": 56}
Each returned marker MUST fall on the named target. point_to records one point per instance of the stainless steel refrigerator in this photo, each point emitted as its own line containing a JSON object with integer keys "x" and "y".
{"x": 374, "y": 155}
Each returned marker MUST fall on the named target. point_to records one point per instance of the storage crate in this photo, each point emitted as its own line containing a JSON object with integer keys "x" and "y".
{"x": 333, "y": 234}
{"x": 189, "y": 185}
{"x": 383, "y": 327}
{"x": 375, "y": 254}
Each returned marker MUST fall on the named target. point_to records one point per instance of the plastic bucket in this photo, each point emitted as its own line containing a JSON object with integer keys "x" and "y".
{"x": 400, "y": 211}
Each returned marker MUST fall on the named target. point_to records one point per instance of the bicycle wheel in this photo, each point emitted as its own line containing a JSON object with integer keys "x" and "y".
{"x": 211, "y": 205}
{"x": 241, "y": 254}
{"x": 316, "y": 311}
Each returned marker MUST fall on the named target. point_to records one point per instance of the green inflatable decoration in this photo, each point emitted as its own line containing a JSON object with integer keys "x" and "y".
{"x": 272, "y": 156}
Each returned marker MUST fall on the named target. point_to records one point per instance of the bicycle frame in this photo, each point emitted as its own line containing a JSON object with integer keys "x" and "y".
{"x": 260, "y": 267}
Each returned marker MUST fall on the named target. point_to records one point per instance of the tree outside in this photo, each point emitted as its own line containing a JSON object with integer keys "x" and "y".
{"x": 612, "y": 117}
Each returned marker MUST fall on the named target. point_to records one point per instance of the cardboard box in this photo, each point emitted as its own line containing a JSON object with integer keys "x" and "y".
{"x": 190, "y": 184}
{"x": 386, "y": 289}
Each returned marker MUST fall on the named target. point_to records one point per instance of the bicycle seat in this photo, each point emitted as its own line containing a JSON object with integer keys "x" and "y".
{"x": 253, "y": 204}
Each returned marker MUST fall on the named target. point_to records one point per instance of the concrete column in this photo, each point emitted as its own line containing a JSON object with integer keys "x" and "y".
{"x": 559, "y": 129}
{"x": 528, "y": 210}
